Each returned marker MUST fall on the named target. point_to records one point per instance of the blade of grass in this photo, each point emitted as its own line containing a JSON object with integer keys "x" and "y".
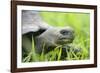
{"x": 42, "y": 56}
{"x": 59, "y": 54}
{"x": 34, "y": 56}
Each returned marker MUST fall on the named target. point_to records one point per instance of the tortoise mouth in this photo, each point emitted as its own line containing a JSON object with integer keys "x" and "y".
{"x": 69, "y": 38}
{"x": 64, "y": 40}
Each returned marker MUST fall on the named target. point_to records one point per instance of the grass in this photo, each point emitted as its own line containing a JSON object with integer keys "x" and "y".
{"x": 55, "y": 54}
{"x": 80, "y": 22}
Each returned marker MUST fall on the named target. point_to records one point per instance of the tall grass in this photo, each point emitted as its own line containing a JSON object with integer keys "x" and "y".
{"x": 55, "y": 55}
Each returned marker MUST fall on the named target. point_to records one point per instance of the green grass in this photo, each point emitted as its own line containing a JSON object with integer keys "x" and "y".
{"x": 55, "y": 55}
{"x": 80, "y": 22}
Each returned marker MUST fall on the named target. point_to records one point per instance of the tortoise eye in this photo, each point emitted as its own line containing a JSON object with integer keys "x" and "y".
{"x": 65, "y": 32}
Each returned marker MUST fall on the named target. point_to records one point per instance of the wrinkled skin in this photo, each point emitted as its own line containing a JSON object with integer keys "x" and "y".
{"x": 54, "y": 37}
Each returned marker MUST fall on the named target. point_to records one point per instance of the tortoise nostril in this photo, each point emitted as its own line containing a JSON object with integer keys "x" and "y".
{"x": 65, "y": 32}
